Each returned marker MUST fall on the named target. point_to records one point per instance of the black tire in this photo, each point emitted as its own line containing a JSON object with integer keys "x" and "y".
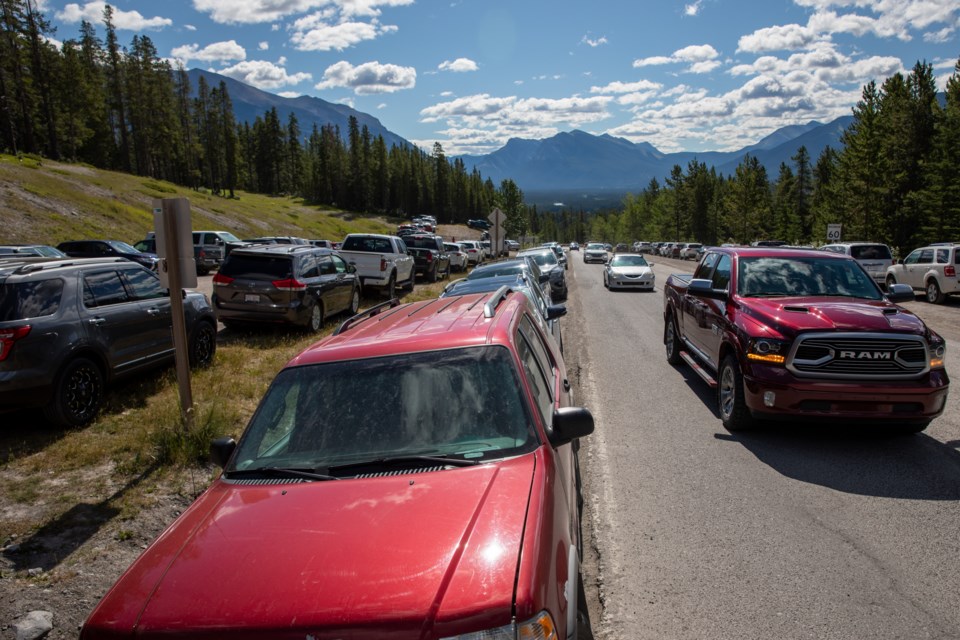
{"x": 671, "y": 340}
{"x": 891, "y": 280}
{"x": 354, "y": 301}
{"x": 432, "y": 276}
{"x": 77, "y": 394}
{"x": 730, "y": 401}
{"x": 203, "y": 344}
{"x": 933, "y": 293}
{"x": 316, "y": 317}
{"x": 202, "y": 271}
{"x": 909, "y": 428}
{"x": 391, "y": 289}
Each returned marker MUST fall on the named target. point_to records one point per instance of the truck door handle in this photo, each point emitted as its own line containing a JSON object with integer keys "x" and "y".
{"x": 566, "y": 384}
{"x": 97, "y": 321}
{"x": 153, "y": 311}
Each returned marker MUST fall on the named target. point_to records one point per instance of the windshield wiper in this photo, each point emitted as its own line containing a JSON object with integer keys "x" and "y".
{"x": 282, "y": 471}
{"x": 455, "y": 462}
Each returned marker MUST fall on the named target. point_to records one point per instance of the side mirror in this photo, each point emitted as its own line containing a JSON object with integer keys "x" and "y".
{"x": 704, "y": 288}
{"x": 351, "y": 268}
{"x": 900, "y": 293}
{"x": 555, "y": 311}
{"x": 570, "y": 423}
{"x": 221, "y": 449}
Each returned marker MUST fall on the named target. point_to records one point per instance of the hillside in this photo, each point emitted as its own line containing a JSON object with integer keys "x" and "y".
{"x": 50, "y": 202}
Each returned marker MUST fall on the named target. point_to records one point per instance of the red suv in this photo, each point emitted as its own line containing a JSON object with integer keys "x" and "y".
{"x": 413, "y": 475}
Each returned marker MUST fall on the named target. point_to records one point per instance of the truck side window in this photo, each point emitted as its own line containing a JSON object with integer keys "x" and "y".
{"x": 721, "y": 277}
{"x": 706, "y": 266}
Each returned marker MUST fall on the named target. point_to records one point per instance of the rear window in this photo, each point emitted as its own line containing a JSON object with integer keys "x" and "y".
{"x": 421, "y": 242}
{"x": 871, "y": 252}
{"x": 25, "y": 300}
{"x": 257, "y": 267}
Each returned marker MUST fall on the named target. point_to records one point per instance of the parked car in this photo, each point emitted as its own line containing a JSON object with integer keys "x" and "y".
{"x": 413, "y": 475}
{"x": 429, "y": 255}
{"x": 204, "y": 261}
{"x": 217, "y": 244}
{"x": 289, "y": 284}
{"x": 475, "y": 253}
{"x": 574, "y": 246}
{"x": 70, "y": 327}
{"x": 323, "y": 244}
{"x": 874, "y": 257}
{"x": 36, "y": 250}
{"x": 107, "y": 249}
{"x": 458, "y": 259}
{"x": 383, "y": 262}
{"x": 793, "y": 334}
{"x": 525, "y": 265}
{"x": 690, "y": 250}
{"x": 511, "y": 245}
{"x": 931, "y": 269}
{"x": 595, "y": 252}
{"x": 479, "y": 224}
{"x": 628, "y": 271}
{"x": 549, "y": 314}
{"x": 547, "y": 261}
{"x": 558, "y": 251}
{"x": 277, "y": 240}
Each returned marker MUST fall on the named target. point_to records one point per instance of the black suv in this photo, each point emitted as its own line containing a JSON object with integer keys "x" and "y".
{"x": 285, "y": 283}
{"x": 68, "y": 326}
{"x": 107, "y": 249}
{"x": 430, "y": 257}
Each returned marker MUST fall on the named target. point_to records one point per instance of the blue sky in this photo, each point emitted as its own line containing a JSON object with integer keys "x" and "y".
{"x": 471, "y": 74}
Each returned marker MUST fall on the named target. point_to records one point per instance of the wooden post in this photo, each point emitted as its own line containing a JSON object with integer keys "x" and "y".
{"x": 172, "y": 211}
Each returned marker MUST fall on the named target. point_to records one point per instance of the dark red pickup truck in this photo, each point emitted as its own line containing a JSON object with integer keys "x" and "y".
{"x": 803, "y": 334}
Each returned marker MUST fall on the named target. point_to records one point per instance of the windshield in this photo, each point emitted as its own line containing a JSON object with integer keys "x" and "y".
{"x": 628, "y": 261}
{"x": 596, "y": 246}
{"x": 543, "y": 258}
{"x": 794, "y": 276}
{"x": 121, "y": 247}
{"x": 496, "y": 270}
{"x": 464, "y": 402}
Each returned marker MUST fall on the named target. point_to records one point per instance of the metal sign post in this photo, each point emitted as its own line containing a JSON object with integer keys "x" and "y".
{"x": 171, "y": 219}
{"x": 496, "y": 218}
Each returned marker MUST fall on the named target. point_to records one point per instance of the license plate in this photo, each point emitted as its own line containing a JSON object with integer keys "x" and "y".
{"x": 251, "y": 297}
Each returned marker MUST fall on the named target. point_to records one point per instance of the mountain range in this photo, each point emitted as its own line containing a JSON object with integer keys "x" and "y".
{"x": 577, "y": 167}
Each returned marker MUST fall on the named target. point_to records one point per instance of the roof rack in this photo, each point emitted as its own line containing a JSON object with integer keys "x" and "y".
{"x": 369, "y": 313}
{"x": 490, "y": 308}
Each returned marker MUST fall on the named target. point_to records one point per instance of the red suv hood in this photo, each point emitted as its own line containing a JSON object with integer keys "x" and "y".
{"x": 790, "y": 316}
{"x": 364, "y": 558}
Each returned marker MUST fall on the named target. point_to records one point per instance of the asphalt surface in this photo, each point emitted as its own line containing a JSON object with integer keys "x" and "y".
{"x": 805, "y": 531}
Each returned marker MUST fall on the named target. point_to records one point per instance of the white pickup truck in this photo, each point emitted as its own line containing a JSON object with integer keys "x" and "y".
{"x": 381, "y": 261}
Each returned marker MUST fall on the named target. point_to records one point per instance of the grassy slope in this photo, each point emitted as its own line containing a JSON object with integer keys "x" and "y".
{"x": 53, "y": 202}
{"x": 136, "y": 451}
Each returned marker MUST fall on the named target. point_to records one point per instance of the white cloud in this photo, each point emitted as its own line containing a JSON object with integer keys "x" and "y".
{"x": 460, "y": 65}
{"x": 786, "y": 37}
{"x": 260, "y": 11}
{"x": 702, "y": 59}
{"x": 189, "y": 27}
{"x": 368, "y": 78}
{"x": 317, "y": 33}
{"x": 263, "y": 46}
{"x": 123, "y": 20}
{"x": 693, "y": 9}
{"x": 263, "y": 74}
{"x": 218, "y": 51}
{"x": 627, "y": 87}
{"x": 593, "y": 42}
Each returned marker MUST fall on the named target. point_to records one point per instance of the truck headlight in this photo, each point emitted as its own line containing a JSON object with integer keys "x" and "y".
{"x": 767, "y": 350}
{"x": 539, "y": 627}
{"x": 938, "y": 351}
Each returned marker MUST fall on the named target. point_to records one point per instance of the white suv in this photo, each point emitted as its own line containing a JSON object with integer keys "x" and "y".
{"x": 931, "y": 269}
{"x": 874, "y": 257}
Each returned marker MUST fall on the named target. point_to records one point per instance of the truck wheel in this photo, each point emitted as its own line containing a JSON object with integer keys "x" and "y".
{"x": 77, "y": 394}
{"x": 315, "y": 321}
{"x": 432, "y": 276}
{"x": 730, "y": 401}
{"x": 891, "y": 280}
{"x": 934, "y": 295}
{"x": 203, "y": 344}
{"x": 391, "y": 288}
{"x": 671, "y": 339}
{"x": 354, "y": 301}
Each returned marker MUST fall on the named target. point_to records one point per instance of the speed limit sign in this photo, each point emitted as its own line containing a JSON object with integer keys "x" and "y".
{"x": 833, "y": 232}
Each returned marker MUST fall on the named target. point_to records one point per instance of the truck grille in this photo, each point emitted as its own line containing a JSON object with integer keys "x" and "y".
{"x": 871, "y": 356}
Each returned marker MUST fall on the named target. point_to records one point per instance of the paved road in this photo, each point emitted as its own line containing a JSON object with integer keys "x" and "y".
{"x": 786, "y": 532}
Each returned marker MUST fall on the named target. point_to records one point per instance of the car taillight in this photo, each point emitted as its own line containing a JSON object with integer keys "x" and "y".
{"x": 221, "y": 279}
{"x": 290, "y": 284}
{"x": 383, "y": 264}
{"x": 950, "y": 271}
{"x": 10, "y": 335}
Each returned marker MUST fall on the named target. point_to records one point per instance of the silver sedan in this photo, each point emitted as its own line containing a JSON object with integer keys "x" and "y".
{"x": 628, "y": 271}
